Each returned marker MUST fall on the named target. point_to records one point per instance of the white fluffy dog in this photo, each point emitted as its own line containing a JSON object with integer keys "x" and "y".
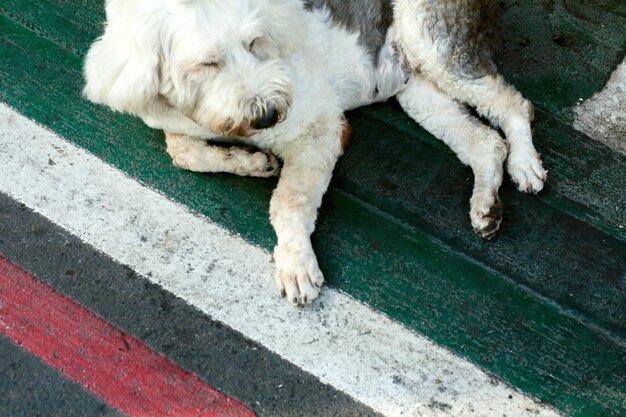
{"x": 279, "y": 74}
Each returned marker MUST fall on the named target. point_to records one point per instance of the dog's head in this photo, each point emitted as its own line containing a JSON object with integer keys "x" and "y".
{"x": 220, "y": 62}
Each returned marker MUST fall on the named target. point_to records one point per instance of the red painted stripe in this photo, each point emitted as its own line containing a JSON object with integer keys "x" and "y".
{"x": 116, "y": 367}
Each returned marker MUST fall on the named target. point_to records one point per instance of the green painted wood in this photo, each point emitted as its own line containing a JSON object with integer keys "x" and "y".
{"x": 72, "y": 24}
{"x": 586, "y": 179}
{"x": 560, "y": 51}
{"x": 557, "y": 255}
{"x": 376, "y": 256}
{"x": 554, "y": 51}
{"x": 573, "y": 189}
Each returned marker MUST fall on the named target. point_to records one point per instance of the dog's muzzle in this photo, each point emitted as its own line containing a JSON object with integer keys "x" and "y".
{"x": 268, "y": 118}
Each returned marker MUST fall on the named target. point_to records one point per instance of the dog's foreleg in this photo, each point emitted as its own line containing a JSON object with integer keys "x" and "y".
{"x": 475, "y": 144}
{"x": 308, "y": 165}
{"x": 201, "y": 156}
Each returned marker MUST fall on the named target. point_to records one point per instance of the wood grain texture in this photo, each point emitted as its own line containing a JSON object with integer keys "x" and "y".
{"x": 542, "y": 306}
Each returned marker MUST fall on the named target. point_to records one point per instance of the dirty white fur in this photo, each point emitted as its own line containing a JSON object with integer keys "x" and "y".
{"x": 219, "y": 70}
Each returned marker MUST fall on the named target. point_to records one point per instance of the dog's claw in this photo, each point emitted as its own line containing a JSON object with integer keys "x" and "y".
{"x": 527, "y": 172}
{"x": 297, "y": 274}
{"x": 265, "y": 165}
{"x": 489, "y": 232}
{"x": 486, "y": 215}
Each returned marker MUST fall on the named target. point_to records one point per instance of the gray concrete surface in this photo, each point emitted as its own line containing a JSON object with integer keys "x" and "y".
{"x": 603, "y": 116}
{"x": 222, "y": 357}
{"x": 30, "y": 388}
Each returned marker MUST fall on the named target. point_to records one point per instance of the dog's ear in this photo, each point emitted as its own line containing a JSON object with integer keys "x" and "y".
{"x": 122, "y": 66}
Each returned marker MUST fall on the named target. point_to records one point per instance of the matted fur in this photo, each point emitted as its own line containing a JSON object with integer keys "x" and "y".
{"x": 278, "y": 75}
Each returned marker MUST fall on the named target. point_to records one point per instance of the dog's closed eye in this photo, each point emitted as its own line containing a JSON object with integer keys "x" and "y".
{"x": 262, "y": 48}
{"x": 254, "y": 44}
{"x": 215, "y": 65}
{"x": 251, "y": 45}
{"x": 201, "y": 70}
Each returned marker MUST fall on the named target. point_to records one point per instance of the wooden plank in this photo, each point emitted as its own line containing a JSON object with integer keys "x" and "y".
{"x": 372, "y": 255}
{"x": 582, "y": 44}
{"x": 557, "y": 255}
{"x": 558, "y": 52}
{"x": 586, "y": 178}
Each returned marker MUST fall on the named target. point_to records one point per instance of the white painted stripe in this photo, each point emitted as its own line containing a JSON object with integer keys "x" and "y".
{"x": 342, "y": 342}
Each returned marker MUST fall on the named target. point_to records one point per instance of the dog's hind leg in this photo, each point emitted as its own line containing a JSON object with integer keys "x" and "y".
{"x": 475, "y": 144}
{"x": 505, "y": 107}
{"x": 199, "y": 155}
{"x": 444, "y": 40}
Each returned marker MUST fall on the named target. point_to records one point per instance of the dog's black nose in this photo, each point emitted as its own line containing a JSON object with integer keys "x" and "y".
{"x": 268, "y": 119}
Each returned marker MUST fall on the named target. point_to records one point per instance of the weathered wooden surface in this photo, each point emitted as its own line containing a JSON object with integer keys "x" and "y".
{"x": 543, "y": 305}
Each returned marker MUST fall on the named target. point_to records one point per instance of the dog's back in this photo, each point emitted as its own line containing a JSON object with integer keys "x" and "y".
{"x": 468, "y": 22}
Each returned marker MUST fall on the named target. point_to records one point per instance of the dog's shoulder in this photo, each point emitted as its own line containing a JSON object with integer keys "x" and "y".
{"x": 371, "y": 19}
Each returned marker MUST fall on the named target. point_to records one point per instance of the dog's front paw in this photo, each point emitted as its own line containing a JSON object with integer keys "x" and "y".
{"x": 266, "y": 165}
{"x": 485, "y": 213}
{"x": 527, "y": 171}
{"x": 255, "y": 164}
{"x": 298, "y": 276}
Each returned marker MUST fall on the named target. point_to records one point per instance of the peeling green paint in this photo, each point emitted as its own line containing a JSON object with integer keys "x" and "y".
{"x": 396, "y": 235}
